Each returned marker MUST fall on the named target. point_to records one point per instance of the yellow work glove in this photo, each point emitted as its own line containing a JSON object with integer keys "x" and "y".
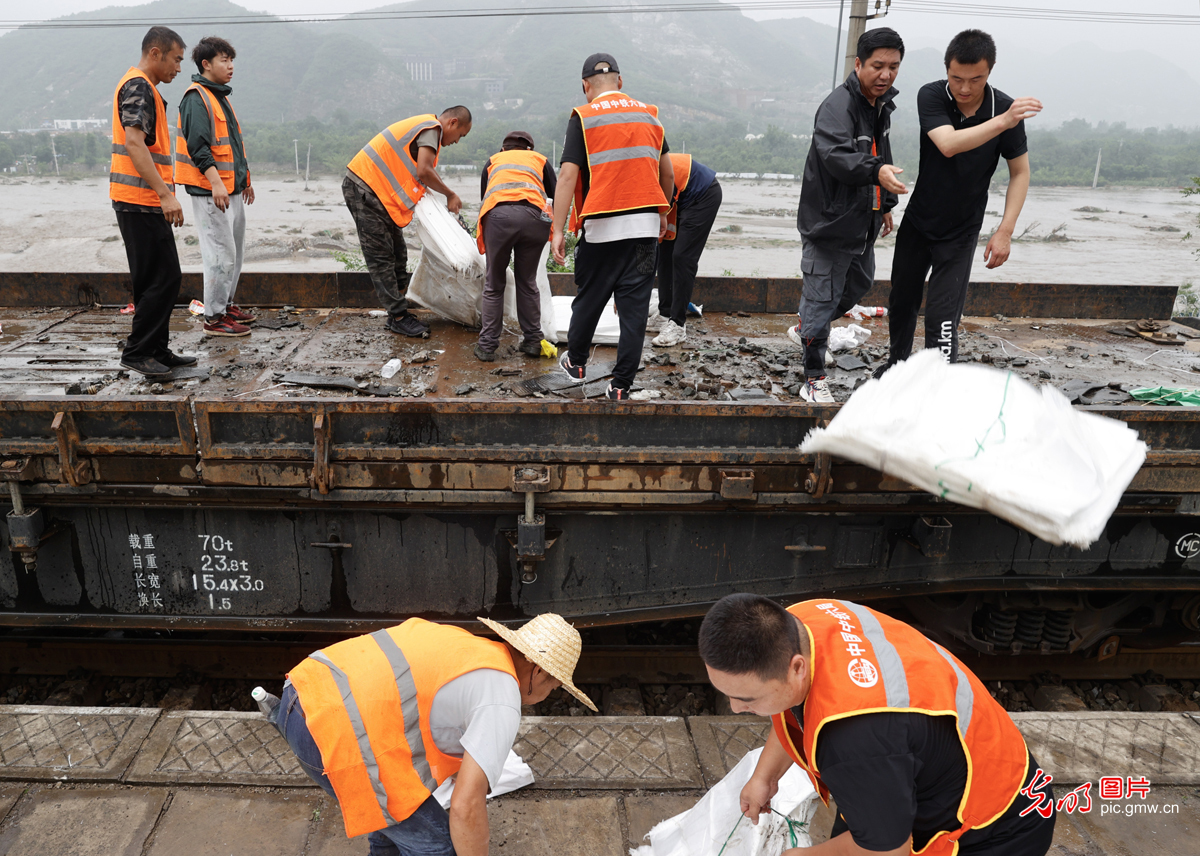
{"x": 548, "y": 350}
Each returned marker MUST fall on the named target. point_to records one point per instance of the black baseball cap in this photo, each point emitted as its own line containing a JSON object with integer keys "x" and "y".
{"x": 518, "y": 139}
{"x": 589, "y": 65}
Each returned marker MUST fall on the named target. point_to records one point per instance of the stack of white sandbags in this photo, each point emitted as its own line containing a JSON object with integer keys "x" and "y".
{"x": 987, "y": 439}
{"x": 449, "y": 276}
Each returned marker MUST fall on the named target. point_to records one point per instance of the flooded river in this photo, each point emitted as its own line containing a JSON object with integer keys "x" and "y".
{"x": 1108, "y": 235}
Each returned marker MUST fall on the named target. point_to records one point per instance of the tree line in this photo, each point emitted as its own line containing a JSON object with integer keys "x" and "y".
{"x": 1065, "y": 156}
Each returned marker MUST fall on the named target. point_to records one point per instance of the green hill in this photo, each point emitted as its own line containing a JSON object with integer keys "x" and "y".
{"x": 696, "y": 66}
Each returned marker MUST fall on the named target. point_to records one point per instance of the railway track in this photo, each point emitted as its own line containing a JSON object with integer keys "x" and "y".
{"x": 218, "y": 672}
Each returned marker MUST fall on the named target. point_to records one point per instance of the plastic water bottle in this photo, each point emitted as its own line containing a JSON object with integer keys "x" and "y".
{"x": 267, "y": 703}
{"x": 390, "y": 367}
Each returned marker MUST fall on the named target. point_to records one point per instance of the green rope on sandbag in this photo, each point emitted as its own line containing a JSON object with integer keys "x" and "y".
{"x": 792, "y": 825}
{"x": 730, "y": 835}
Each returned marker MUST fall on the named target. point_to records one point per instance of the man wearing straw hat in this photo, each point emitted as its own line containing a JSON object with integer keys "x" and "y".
{"x": 379, "y": 721}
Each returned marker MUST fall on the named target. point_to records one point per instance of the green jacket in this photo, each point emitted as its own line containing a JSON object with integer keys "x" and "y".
{"x": 197, "y": 130}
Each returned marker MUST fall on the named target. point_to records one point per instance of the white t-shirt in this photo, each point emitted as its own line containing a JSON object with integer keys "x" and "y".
{"x": 478, "y": 713}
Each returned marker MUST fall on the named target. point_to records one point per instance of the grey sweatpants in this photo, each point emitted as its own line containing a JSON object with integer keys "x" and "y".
{"x": 222, "y": 240}
{"x": 834, "y": 280}
{"x": 518, "y": 232}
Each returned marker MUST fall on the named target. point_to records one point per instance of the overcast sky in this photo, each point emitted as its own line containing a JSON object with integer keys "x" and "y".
{"x": 919, "y": 29}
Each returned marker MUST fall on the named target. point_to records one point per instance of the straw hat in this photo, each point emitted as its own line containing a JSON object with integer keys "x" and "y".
{"x": 547, "y": 641}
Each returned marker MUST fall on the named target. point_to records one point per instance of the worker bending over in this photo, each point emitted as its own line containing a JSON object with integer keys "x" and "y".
{"x": 142, "y": 191}
{"x": 967, "y": 125}
{"x": 380, "y": 721}
{"x": 917, "y": 754}
{"x": 846, "y": 199}
{"x": 693, "y": 212}
{"x": 210, "y": 161}
{"x": 616, "y": 173}
{"x": 514, "y": 220}
{"x": 382, "y": 186}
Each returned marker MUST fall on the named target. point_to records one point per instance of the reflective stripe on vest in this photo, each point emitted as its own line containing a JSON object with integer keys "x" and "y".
{"x": 513, "y": 176}
{"x": 865, "y": 662}
{"x": 386, "y": 166}
{"x": 221, "y": 148}
{"x": 681, "y": 165}
{"x": 125, "y": 184}
{"x": 360, "y": 731}
{"x": 367, "y": 703}
{"x": 624, "y": 140}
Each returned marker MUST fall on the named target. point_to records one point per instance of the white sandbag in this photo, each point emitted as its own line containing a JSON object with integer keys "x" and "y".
{"x": 451, "y": 272}
{"x": 705, "y": 829}
{"x": 545, "y": 298}
{"x": 987, "y": 439}
{"x": 516, "y": 774}
{"x": 608, "y": 330}
{"x": 449, "y": 277}
{"x": 845, "y": 338}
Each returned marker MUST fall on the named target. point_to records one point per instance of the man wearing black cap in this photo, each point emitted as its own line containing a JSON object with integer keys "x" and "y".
{"x": 514, "y": 221}
{"x": 616, "y": 172}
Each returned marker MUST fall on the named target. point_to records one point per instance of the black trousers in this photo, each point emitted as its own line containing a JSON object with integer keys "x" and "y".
{"x": 948, "y": 265}
{"x": 620, "y": 269}
{"x": 154, "y": 268}
{"x": 678, "y": 260}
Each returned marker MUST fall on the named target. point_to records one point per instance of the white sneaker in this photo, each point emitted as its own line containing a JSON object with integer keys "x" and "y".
{"x": 816, "y": 390}
{"x": 655, "y": 322}
{"x": 672, "y": 334}
{"x": 794, "y": 334}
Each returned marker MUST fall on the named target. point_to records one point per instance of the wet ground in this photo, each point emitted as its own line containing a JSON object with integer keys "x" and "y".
{"x": 732, "y": 356}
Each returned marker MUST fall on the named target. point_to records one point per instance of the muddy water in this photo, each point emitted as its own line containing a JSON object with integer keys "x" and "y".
{"x": 1134, "y": 235}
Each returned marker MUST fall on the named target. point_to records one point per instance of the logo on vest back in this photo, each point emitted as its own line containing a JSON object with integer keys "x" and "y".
{"x": 863, "y": 672}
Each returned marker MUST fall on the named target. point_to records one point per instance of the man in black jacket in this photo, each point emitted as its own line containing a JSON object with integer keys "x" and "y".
{"x": 846, "y": 199}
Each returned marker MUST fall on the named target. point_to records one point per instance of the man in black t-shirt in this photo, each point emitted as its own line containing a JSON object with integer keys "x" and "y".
{"x": 966, "y": 127}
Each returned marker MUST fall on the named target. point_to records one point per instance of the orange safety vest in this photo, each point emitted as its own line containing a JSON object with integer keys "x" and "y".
{"x": 124, "y": 182}
{"x": 513, "y": 176}
{"x": 389, "y": 169}
{"x": 221, "y": 147}
{"x": 624, "y": 141}
{"x": 367, "y": 703}
{"x": 865, "y": 662}
{"x": 682, "y": 166}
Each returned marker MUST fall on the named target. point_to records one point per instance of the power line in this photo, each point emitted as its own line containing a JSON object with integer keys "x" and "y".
{"x": 935, "y": 7}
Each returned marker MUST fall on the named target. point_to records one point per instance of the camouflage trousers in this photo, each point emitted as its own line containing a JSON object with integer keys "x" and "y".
{"x": 382, "y": 244}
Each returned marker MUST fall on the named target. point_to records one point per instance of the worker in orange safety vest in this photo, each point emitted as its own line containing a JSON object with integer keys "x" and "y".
{"x": 516, "y": 187}
{"x": 917, "y": 754}
{"x": 142, "y": 191}
{"x": 615, "y": 181}
{"x": 381, "y": 721}
{"x": 383, "y": 184}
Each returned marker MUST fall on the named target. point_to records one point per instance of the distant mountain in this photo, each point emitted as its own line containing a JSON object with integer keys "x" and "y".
{"x": 708, "y": 65}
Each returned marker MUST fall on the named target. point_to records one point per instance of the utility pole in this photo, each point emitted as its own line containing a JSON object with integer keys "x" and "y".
{"x": 307, "y": 161}
{"x": 858, "y": 26}
{"x": 1096, "y": 174}
{"x": 54, "y": 151}
{"x": 837, "y": 44}
{"x": 296, "y": 145}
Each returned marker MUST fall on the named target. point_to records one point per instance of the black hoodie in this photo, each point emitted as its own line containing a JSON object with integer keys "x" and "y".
{"x": 837, "y": 198}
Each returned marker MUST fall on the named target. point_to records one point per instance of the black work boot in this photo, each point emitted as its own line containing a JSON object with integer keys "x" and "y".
{"x": 532, "y": 349}
{"x": 408, "y": 325}
{"x": 149, "y": 367}
{"x": 484, "y": 355}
